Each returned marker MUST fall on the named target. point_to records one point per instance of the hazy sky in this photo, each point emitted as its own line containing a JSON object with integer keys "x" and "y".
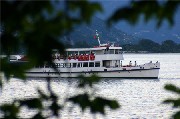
{"x": 141, "y": 29}
{"x": 111, "y": 6}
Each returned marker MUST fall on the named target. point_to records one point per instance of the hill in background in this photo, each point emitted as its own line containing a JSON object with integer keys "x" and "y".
{"x": 83, "y": 36}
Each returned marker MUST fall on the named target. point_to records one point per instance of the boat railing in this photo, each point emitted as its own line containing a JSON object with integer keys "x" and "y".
{"x": 82, "y": 57}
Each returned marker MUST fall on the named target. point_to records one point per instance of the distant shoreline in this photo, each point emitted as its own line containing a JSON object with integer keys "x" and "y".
{"x": 152, "y": 53}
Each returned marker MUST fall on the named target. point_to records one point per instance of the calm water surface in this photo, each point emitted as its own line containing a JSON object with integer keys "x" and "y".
{"x": 139, "y": 98}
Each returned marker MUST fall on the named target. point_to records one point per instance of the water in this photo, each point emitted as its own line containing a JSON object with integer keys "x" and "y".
{"x": 140, "y": 99}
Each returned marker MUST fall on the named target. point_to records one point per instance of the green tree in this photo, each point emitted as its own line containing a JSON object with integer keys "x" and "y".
{"x": 130, "y": 47}
{"x": 148, "y": 45}
{"x": 169, "y": 46}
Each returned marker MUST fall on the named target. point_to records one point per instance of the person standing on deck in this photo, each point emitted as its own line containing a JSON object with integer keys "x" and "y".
{"x": 130, "y": 63}
{"x": 135, "y": 63}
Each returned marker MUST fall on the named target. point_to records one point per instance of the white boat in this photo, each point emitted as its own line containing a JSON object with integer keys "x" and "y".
{"x": 104, "y": 61}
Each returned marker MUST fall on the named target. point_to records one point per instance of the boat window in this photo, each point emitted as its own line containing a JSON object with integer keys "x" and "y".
{"x": 116, "y": 51}
{"x": 97, "y": 64}
{"x": 62, "y": 65}
{"x": 56, "y": 65}
{"x": 79, "y": 65}
{"x": 85, "y": 64}
{"x": 68, "y": 65}
{"x": 74, "y": 64}
{"x": 91, "y": 64}
{"x": 111, "y": 52}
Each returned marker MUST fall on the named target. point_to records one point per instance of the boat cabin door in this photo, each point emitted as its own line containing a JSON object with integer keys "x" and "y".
{"x": 106, "y": 63}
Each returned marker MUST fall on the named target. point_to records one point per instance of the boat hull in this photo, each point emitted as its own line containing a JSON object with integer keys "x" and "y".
{"x": 140, "y": 73}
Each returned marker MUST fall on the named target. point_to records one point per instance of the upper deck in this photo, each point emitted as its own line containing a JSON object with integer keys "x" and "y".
{"x": 93, "y": 49}
{"x": 96, "y": 50}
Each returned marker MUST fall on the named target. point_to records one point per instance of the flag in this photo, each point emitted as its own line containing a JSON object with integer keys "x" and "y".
{"x": 95, "y": 37}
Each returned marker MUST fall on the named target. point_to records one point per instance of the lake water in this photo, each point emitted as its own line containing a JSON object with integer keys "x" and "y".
{"x": 139, "y": 98}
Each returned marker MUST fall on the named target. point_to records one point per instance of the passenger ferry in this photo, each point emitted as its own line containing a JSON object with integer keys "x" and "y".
{"x": 104, "y": 60}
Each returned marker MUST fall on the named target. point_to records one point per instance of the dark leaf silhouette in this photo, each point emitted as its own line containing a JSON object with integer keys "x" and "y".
{"x": 42, "y": 95}
{"x": 99, "y": 104}
{"x": 38, "y": 116}
{"x": 10, "y": 111}
{"x": 82, "y": 100}
{"x": 175, "y": 101}
{"x": 172, "y": 88}
{"x": 177, "y": 115}
{"x": 149, "y": 9}
{"x": 55, "y": 108}
{"x": 32, "y": 103}
{"x": 87, "y": 81}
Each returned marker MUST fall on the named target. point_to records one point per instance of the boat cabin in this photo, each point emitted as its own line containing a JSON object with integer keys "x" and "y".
{"x": 88, "y": 57}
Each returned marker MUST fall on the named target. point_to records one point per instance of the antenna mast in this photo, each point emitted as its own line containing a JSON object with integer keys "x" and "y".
{"x": 97, "y": 35}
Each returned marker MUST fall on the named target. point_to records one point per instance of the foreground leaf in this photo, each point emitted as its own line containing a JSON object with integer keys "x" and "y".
{"x": 172, "y": 88}
{"x": 32, "y": 103}
{"x": 10, "y": 111}
{"x": 82, "y": 100}
{"x": 99, "y": 104}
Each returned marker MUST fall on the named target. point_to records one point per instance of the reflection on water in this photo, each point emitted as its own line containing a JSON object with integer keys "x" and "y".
{"x": 139, "y": 98}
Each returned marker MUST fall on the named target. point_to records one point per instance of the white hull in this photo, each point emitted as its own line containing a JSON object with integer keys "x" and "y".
{"x": 141, "y": 73}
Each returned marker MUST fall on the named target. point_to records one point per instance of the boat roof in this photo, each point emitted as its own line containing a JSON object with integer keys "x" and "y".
{"x": 91, "y": 49}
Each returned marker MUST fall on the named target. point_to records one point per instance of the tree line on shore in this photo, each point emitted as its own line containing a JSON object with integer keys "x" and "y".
{"x": 167, "y": 46}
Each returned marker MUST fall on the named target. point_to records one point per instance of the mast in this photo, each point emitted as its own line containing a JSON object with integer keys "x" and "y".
{"x": 97, "y": 36}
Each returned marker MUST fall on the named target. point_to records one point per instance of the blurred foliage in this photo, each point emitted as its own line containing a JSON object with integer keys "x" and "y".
{"x": 150, "y": 9}
{"x": 38, "y": 28}
{"x": 88, "y": 99}
{"x": 39, "y": 103}
{"x": 49, "y": 101}
{"x": 10, "y": 111}
{"x": 175, "y": 102}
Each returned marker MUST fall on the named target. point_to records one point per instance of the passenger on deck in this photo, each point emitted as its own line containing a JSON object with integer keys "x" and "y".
{"x": 135, "y": 63}
{"x": 130, "y": 63}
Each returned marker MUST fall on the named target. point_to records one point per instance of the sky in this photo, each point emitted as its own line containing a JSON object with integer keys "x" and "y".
{"x": 110, "y": 6}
